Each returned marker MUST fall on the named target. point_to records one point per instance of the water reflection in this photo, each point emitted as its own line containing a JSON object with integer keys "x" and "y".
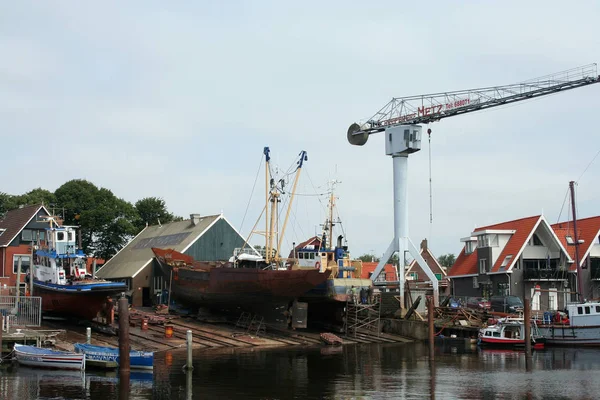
{"x": 361, "y": 371}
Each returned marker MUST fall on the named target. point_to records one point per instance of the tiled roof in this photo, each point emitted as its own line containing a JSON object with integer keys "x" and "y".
{"x": 522, "y": 228}
{"x": 588, "y": 229}
{"x": 315, "y": 240}
{"x": 467, "y": 264}
{"x": 368, "y": 267}
{"x": 431, "y": 261}
{"x": 14, "y": 221}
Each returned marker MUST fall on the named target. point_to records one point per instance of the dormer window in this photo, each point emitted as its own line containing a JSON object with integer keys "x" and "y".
{"x": 468, "y": 247}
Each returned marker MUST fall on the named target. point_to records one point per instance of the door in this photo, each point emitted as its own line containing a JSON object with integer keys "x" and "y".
{"x": 535, "y": 297}
{"x": 146, "y": 300}
{"x": 552, "y": 299}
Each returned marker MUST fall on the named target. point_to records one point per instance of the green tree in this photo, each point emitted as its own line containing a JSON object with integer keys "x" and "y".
{"x": 151, "y": 211}
{"x": 447, "y": 260}
{"x": 6, "y": 202}
{"x": 368, "y": 258}
{"x": 106, "y": 222}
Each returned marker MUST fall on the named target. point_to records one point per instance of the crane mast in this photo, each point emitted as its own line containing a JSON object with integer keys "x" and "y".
{"x": 400, "y": 119}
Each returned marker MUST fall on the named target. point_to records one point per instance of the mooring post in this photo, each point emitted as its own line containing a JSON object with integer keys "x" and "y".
{"x": 189, "y": 365}
{"x": 188, "y": 385}
{"x": 430, "y": 320}
{"x": 88, "y": 335}
{"x": 1, "y": 328}
{"x": 123, "y": 334}
{"x": 124, "y": 385}
{"x": 527, "y": 322}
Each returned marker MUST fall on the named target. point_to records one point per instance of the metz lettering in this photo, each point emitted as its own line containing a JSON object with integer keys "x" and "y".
{"x": 423, "y": 111}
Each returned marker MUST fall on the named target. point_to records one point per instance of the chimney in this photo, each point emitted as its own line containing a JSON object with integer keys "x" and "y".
{"x": 195, "y": 218}
{"x": 424, "y": 244}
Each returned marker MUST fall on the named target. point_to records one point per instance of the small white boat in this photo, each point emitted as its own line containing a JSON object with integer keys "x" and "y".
{"x": 39, "y": 357}
{"x": 510, "y": 332}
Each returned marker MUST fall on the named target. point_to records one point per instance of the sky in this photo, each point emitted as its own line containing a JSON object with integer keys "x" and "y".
{"x": 177, "y": 100}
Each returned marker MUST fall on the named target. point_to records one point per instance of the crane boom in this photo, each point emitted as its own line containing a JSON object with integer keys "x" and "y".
{"x": 427, "y": 108}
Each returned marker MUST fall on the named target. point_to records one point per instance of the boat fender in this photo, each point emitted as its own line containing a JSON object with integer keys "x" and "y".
{"x": 318, "y": 265}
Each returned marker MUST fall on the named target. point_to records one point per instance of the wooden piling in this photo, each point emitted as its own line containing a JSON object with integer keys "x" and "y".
{"x": 123, "y": 334}
{"x": 189, "y": 366}
{"x": 124, "y": 384}
{"x": 430, "y": 321}
{"x": 527, "y": 322}
{"x": 88, "y": 335}
{"x": 18, "y": 294}
{"x": 1, "y": 327}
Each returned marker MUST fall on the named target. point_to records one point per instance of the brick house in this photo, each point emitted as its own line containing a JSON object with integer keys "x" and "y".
{"x": 19, "y": 230}
{"x": 415, "y": 274}
{"x": 523, "y": 257}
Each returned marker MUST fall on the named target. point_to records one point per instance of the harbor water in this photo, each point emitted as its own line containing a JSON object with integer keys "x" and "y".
{"x": 349, "y": 372}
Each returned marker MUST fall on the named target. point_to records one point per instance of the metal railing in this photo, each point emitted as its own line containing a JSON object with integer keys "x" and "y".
{"x": 546, "y": 274}
{"x": 27, "y": 311}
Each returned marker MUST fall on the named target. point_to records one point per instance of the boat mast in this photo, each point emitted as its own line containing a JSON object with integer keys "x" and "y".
{"x": 303, "y": 157}
{"x": 267, "y": 158}
{"x": 580, "y": 290}
{"x": 331, "y": 202}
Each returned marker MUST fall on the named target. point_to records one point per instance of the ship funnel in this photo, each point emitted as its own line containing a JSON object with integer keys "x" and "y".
{"x": 195, "y": 218}
{"x": 339, "y": 241}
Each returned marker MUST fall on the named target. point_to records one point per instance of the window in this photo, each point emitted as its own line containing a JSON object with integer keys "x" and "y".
{"x": 413, "y": 276}
{"x": 60, "y": 236}
{"x": 503, "y": 289}
{"x": 569, "y": 239}
{"x": 587, "y": 309}
{"x": 301, "y": 256}
{"x": 579, "y": 310}
{"x": 535, "y": 241}
{"x": 438, "y": 277}
{"x": 483, "y": 266}
{"x": 506, "y": 261}
{"x": 71, "y": 236}
{"x": 42, "y": 235}
{"x": 468, "y": 247}
{"x": 25, "y": 261}
{"x": 475, "y": 283}
{"x": 496, "y": 334}
{"x": 598, "y": 309}
{"x": 312, "y": 256}
{"x": 27, "y": 235}
{"x": 488, "y": 333}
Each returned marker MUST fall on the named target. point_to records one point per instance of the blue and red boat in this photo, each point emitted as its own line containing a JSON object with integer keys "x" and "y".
{"x": 60, "y": 277}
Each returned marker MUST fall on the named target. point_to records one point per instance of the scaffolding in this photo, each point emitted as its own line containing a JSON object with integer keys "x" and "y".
{"x": 362, "y": 319}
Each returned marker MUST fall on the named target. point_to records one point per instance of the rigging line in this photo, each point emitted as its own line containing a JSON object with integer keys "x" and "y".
{"x": 586, "y": 168}
{"x": 315, "y": 189}
{"x": 251, "y": 193}
{"x": 430, "y": 191}
{"x": 563, "y": 206}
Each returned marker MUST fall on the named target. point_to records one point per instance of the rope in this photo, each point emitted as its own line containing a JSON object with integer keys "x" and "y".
{"x": 251, "y": 193}
{"x": 586, "y": 168}
{"x": 430, "y": 192}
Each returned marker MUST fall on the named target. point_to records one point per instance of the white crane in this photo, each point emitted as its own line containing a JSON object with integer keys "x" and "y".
{"x": 400, "y": 119}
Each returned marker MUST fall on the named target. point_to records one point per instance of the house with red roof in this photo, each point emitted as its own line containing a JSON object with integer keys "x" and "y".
{"x": 20, "y": 229}
{"x": 588, "y": 237}
{"x": 519, "y": 257}
{"x": 415, "y": 274}
{"x": 389, "y": 273}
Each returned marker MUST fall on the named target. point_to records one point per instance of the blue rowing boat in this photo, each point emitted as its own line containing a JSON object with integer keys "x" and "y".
{"x": 46, "y": 358}
{"x": 108, "y": 357}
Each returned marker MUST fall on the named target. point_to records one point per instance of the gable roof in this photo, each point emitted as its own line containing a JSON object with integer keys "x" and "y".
{"x": 588, "y": 229}
{"x": 465, "y": 265}
{"x": 369, "y": 267}
{"x": 428, "y": 257}
{"x": 313, "y": 240}
{"x": 137, "y": 254}
{"x": 16, "y": 220}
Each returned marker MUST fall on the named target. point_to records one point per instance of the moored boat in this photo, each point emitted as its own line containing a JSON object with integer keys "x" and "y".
{"x": 60, "y": 277}
{"x": 580, "y": 327}
{"x": 108, "y": 357}
{"x": 330, "y": 338}
{"x": 46, "y": 358}
{"x": 510, "y": 332}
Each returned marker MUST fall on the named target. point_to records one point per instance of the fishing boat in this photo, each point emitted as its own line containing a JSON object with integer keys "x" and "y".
{"x": 320, "y": 253}
{"x": 108, "y": 357}
{"x": 510, "y": 332}
{"x": 60, "y": 277}
{"x": 249, "y": 278}
{"x": 46, "y": 358}
{"x": 579, "y": 327}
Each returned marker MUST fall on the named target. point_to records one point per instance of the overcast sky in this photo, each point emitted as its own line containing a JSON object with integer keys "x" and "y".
{"x": 178, "y": 99}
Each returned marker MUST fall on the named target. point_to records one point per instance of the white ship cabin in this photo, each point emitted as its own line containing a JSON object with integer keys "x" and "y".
{"x": 61, "y": 240}
{"x": 585, "y": 314}
{"x": 60, "y": 260}
{"x": 312, "y": 257}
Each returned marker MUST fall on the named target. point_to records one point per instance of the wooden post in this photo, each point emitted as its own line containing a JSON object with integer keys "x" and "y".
{"x": 527, "y": 322}
{"x": 188, "y": 385}
{"x": 188, "y": 365}
{"x": 124, "y": 384}
{"x": 94, "y": 269}
{"x": 123, "y": 334}
{"x": 169, "y": 296}
{"x": 430, "y": 320}
{"x": 1, "y": 327}
{"x": 31, "y": 270}
{"x": 88, "y": 335}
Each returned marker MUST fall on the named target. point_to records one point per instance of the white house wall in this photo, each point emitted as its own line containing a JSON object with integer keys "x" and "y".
{"x": 595, "y": 250}
{"x": 497, "y": 250}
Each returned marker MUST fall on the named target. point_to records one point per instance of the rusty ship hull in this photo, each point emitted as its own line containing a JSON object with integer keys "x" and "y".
{"x": 217, "y": 284}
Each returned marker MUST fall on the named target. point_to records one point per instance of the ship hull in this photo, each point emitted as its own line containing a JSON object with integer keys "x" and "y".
{"x": 80, "y": 301}
{"x": 565, "y": 335}
{"x": 203, "y": 284}
{"x": 335, "y": 290}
